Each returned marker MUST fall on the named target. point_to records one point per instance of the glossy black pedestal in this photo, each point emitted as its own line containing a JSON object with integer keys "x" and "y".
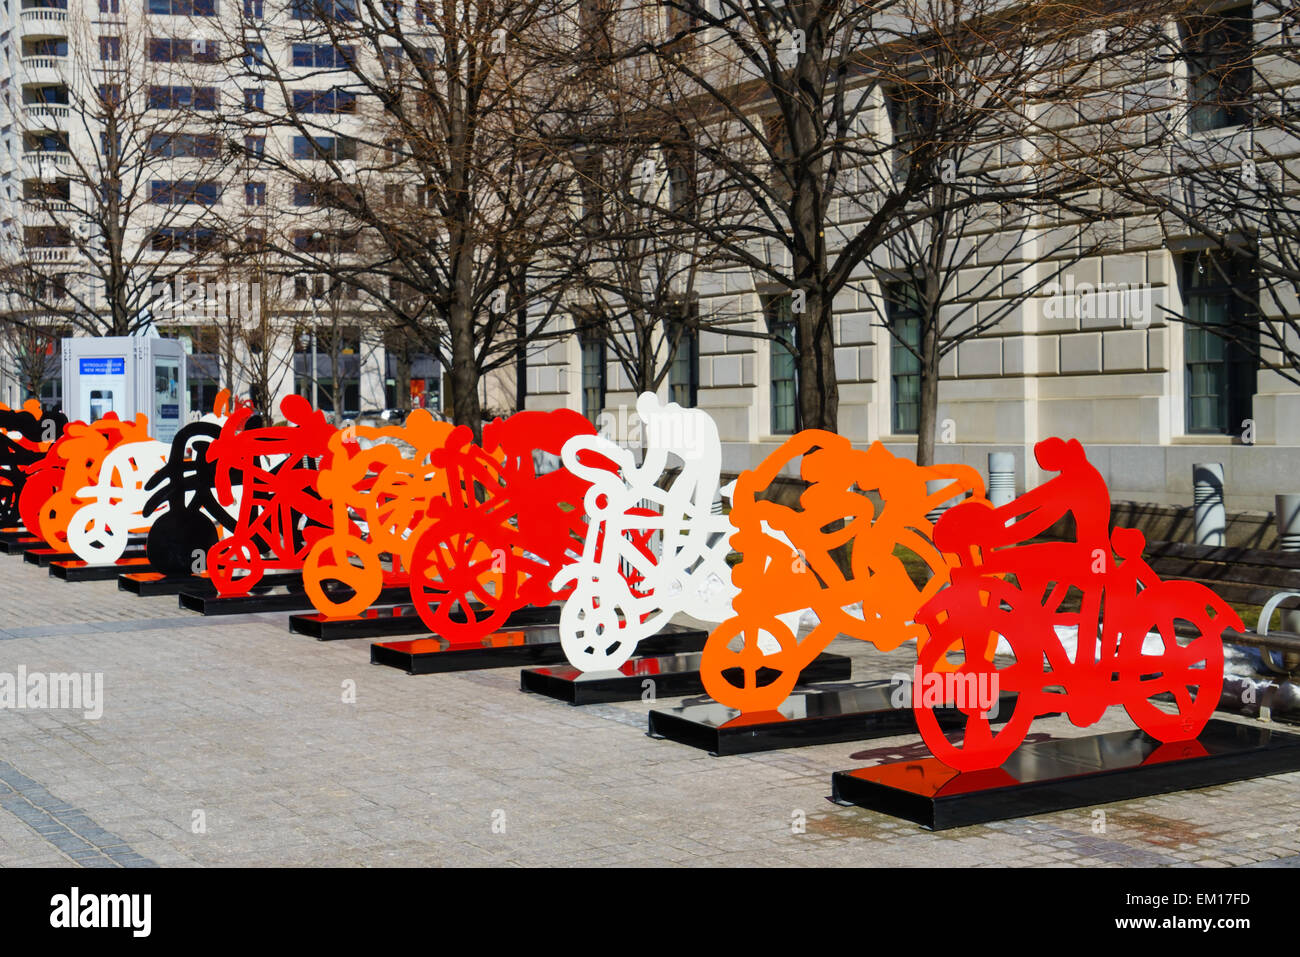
{"x": 289, "y": 597}
{"x": 17, "y": 546}
{"x": 400, "y": 620}
{"x": 663, "y": 676}
{"x": 532, "y": 645}
{"x": 148, "y": 584}
{"x": 43, "y": 555}
{"x": 823, "y": 716}
{"x": 1067, "y": 773}
{"x": 13, "y": 533}
{"x": 79, "y": 571}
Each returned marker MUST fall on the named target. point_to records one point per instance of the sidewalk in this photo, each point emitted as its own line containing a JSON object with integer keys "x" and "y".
{"x": 228, "y": 741}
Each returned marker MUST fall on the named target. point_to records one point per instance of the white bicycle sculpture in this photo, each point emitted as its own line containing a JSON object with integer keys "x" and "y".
{"x": 99, "y": 530}
{"x": 686, "y": 570}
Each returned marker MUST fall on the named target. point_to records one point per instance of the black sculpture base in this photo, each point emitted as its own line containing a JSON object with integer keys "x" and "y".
{"x": 13, "y": 533}
{"x": 400, "y": 620}
{"x": 148, "y": 584}
{"x": 79, "y": 571}
{"x": 533, "y": 645}
{"x": 665, "y": 676}
{"x": 17, "y": 546}
{"x": 43, "y": 555}
{"x": 262, "y": 599}
{"x": 1068, "y": 773}
{"x": 805, "y": 718}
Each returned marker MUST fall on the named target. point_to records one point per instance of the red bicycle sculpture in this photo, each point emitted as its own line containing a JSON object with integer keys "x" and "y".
{"x": 491, "y": 544}
{"x": 1005, "y": 585}
{"x": 272, "y": 471}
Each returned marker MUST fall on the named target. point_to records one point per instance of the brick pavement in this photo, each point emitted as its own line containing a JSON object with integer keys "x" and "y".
{"x": 229, "y": 742}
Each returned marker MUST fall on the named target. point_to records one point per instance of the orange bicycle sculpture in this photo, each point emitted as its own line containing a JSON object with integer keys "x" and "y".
{"x": 870, "y": 498}
{"x": 1127, "y": 652}
{"x": 48, "y": 500}
{"x": 389, "y": 493}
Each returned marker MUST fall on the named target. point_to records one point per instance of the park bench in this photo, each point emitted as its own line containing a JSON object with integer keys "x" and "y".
{"x": 1268, "y": 580}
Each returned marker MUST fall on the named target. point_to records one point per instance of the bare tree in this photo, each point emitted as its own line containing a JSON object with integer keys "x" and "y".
{"x": 112, "y": 224}
{"x": 443, "y": 182}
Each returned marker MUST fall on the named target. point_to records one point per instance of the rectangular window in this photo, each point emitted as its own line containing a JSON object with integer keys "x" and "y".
{"x": 183, "y": 8}
{"x": 110, "y": 94}
{"x": 593, "y": 375}
{"x": 324, "y": 101}
{"x": 902, "y": 306}
{"x": 326, "y": 56}
{"x": 173, "y": 145}
{"x": 203, "y": 98}
{"x": 109, "y": 6}
{"x": 684, "y": 372}
{"x": 1219, "y": 69}
{"x": 255, "y": 194}
{"x": 166, "y": 50}
{"x": 110, "y": 48}
{"x": 253, "y": 9}
{"x": 782, "y": 363}
{"x": 426, "y": 11}
{"x": 182, "y": 192}
{"x": 324, "y": 147}
{"x": 1220, "y": 293}
{"x": 254, "y": 56}
{"x": 255, "y": 99}
{"x": 255, "y": 145}
{"x": 323, "y": 9}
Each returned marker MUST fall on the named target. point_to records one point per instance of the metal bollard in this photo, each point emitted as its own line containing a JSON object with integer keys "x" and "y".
{"x": 932, "y": 486}
{"x": 1002, "y": 478}
{"x": 1286, "y": 511}
{"x": 1207, "y": 497}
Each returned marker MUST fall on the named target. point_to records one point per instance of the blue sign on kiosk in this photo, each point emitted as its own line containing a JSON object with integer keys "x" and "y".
{"x": 107, "y": 365}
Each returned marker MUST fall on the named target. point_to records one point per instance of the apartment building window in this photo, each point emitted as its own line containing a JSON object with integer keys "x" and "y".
{"x": 326, "y": 56}
{"x": 1220, "y": 292}
{"x": 394, "y": 194}
{"x": 183, "y": 8}
{"x": 684, "y": 372}
{"x": 426, "y": 11}
{"x": 324, "y": 101}
{"x": 1219, "y": 68}
{"x": 45, "y": 237}
{"x": 255, "y": 99}
{"x": 255, "y": 194}
{"x": 253, "y": 9}
{"x": 110, "y": 48}
{"x": 109, "y": 6}
{"x": 183, "y": 192}
{"x": 323, "y": 9}
{"x": 167, "y": 50}
{"x": 183, "y": 239}
{"x": 181, "y": 145}
{"x": 255, "y": 145}
{"x": 782, "y": 364}
{"x": 202, "y": 98}
{"x": 304, "y": 195}
{"x": 110, "y": 94}
{"x": 903, "y": 310}
{"x": 324, "y": 147}
{"x": 593, "y": 373}
{"x": 254, "y": 56}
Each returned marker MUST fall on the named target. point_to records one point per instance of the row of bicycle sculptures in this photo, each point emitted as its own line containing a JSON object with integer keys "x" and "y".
{"x": 543, "y": 510}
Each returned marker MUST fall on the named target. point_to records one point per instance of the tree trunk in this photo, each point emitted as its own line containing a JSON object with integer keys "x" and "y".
{"x": 929, "y": 387}
{"x": 463, "y": 374}
{"x": 819, "y": 393}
